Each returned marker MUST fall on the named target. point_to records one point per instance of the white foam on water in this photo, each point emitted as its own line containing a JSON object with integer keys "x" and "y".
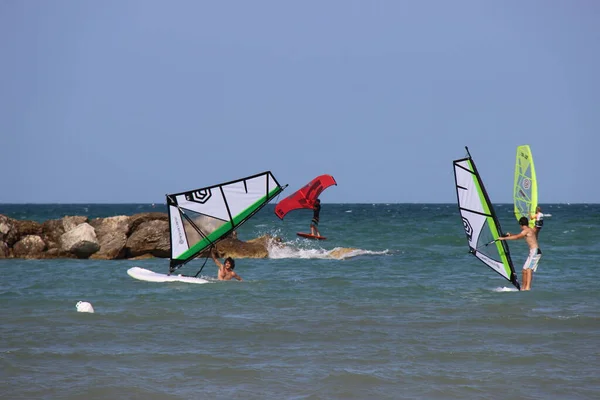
{"x": 299, "y": 249}
{"x": 505, "y": 289}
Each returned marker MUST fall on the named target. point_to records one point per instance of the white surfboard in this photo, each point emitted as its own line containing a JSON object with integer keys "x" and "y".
{"x": 150, "y": 276}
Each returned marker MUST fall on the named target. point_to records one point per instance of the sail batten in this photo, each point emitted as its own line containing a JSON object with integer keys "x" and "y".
{"x": 200, "y": 218}
{"x": 481, "y": 225}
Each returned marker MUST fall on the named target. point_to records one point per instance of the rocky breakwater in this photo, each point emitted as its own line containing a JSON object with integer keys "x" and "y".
{"x": 138, "y": 236}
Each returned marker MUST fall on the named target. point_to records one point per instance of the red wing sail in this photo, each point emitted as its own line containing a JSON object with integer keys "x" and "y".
{"x": 305, "y": 197}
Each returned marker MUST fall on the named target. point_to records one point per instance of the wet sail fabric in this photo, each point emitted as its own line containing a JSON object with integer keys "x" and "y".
{"x": 480, "y": 222}
{"x": 201, "y": 217}
{"x": 525, "y": 191}
{"x": 304, "y": 197}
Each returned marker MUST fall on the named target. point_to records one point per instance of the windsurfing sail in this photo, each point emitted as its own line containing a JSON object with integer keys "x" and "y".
{"x": 525, "y": 192}
{"x": 480, "y": 222}
{"x": 200, "y": 218}
{"x": 304, "y": 197}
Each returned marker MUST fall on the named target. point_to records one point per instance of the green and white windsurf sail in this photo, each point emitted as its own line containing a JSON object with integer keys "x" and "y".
{"x": 200, "y": 218}
{"x": 480, "y": 222}
{"x": 525, "y": 192}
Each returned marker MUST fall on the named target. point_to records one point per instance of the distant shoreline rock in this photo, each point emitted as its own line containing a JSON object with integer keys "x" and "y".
{"x": 138, "y": 236}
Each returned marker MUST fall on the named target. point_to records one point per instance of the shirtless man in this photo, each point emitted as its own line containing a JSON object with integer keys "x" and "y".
{"x": 535, "y": 253}
{"x": 226, "y": 272}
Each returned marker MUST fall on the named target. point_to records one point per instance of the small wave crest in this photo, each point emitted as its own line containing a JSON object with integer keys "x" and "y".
{"x": 302, "y": 248}
{"x": 283, "y": 250}
{"x": 505, "y": 289}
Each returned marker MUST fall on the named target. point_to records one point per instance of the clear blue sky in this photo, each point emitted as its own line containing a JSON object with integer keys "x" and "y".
{"x": 123, "y": 101}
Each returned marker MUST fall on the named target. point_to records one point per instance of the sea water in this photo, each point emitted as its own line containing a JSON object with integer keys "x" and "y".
{"x": 406, "y": 314}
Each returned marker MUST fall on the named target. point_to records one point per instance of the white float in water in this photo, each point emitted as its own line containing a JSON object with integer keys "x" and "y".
{"x": 84, "y": 306}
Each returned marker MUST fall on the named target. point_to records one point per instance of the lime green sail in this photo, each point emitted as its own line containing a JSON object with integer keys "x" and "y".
{"x": 525, "y": 193}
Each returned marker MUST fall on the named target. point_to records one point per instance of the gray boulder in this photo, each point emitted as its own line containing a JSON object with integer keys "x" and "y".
{"x": 30, "y": 246}
{"x": 112, "y": 236}
{"x": 150, "y": 237}
{"x": 80, "y": 241}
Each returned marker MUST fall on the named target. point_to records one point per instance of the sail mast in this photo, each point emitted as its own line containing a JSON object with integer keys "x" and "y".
{"x": 480, "y": 222}
{"x": 200, "y": 218}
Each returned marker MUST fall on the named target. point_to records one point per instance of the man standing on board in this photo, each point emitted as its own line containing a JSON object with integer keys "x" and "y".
{"x": 226, "y": 272}
{"x": 314, "y": 223}
{"x": 535, "y": 253}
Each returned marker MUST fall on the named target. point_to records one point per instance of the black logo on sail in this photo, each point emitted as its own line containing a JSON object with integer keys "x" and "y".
{"x": 468, "y": 228}
{"x": 199, "y": 196}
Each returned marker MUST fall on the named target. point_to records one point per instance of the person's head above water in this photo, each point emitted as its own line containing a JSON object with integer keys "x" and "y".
{"x": 229, "y": 263}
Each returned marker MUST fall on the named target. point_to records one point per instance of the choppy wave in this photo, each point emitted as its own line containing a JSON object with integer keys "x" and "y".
{"x": 298, "y": 249}
{"x": 505, "y": 289}
{"x": 318, "y": 319}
